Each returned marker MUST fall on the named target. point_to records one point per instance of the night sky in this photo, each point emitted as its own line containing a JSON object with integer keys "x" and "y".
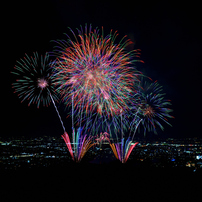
{"x": 169, "y": 36}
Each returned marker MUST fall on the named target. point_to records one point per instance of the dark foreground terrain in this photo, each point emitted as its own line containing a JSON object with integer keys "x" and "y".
{"x": 100, "y": 182}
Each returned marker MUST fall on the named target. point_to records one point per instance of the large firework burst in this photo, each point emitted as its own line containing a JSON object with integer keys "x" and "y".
{"x": 95, "y": 73}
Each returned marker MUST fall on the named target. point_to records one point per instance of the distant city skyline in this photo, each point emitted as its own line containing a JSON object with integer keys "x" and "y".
{"x": 42, "y": 152}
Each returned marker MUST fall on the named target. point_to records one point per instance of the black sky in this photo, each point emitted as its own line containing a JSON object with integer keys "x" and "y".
{"x": 168, "y": 35}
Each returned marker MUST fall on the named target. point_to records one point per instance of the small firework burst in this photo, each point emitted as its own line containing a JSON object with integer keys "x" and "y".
{"x": 153, "y": 107}
{"x": 34, "y": 81}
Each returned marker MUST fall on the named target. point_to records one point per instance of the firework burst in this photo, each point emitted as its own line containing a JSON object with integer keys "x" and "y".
{"x": 34, "y": 82}
{"x": 95, "y": 72}
{"x": 153, "y": 107}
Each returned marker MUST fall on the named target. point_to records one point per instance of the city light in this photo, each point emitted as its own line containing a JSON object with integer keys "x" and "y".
{"x": 46, "y": 151}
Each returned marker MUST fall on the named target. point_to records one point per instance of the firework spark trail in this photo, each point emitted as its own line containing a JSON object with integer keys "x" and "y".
{"x": 58, "y": 113}
{"x": 130, "y": 149}
{"x": 122, "y": 151}
{"x": 65, "y": 136}
{"x": 81, "y": 144}
{"x": 134, "y": 121}
{"x": 136, "y": 128}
